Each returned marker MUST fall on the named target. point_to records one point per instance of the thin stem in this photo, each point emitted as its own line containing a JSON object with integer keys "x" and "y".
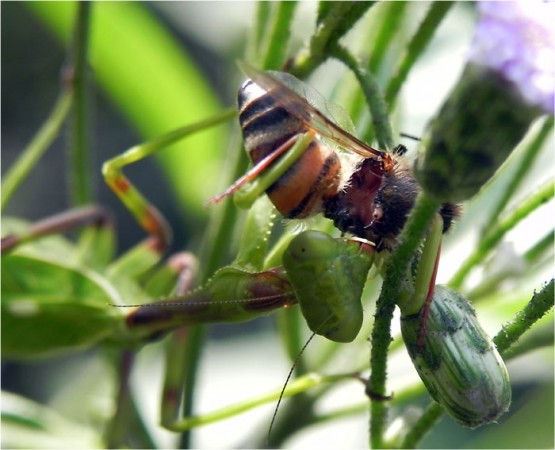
{"x": 296, "y": 386}
{"x": 115, "y": 434}
{"x": 425, "y": 423}
{"x": 260, "y": 25}
{"x": 372, "y": 92}
{"x": 542, "y": 335}
{"x": 280, "y": 32}
{"x": 489, "y": 241}
{"x": 192, "y": 350}
{"x": 388, "y": 29}
{"x": 290, "y": 323}
{"x": 525, "y": 163}
{"x": 173, "y": 378}
{"x": 396, "y": 272}
{"x": 415, "y": 48}
{"x": 532, "y": 258}
{"x": 127, "y": 427}
{"x": 334, "y": 22}
{"x": 539, "y": 248}
{"x": 80, "y": 183}
{"x": 36, "y": 148}
{"x": 341, "y": 413}
{"x": 540, "y": 303}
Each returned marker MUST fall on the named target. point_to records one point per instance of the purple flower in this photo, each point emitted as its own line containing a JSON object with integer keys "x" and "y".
{"x": 517, "y": 39}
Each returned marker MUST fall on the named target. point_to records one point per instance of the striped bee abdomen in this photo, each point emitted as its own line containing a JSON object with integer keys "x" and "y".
{"x": 266, "y": 126}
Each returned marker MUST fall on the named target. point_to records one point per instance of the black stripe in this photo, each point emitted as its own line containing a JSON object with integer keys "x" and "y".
{"x": 249, "y": 106}
{"x": 275, "y": 118}
{"x": 328, "y": 164}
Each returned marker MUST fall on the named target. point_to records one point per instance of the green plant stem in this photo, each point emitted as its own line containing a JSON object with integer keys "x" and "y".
{"x": 542, "y": 335}
{"x": 173, "y": 377}
{"x": 323, "y": 11}
{"x": 383, "y": 31}
{"x": 127, "y": 427}
{"x": 526, "y": 161}
{"x": 396, "y": 272}
{"x": 301, "y": 384}
{"x": 348, "y": 411}
{"x": 393, "y": 14}
{"x": 192, "y": 350}
{"x": 36, "y": 148}
{"x": 81, "y": 180}
{"x": 279, "y": 34}
{"x": 374, "y": 97}
{"x": 296, "y": 415}
{"x": 290, "y": 323}
{"x": 334, "y": 21}
{"x": 540, "y": 303}
{"x": 415, "y": 48}
{"x": 533, "y": 257}
{"x": 428, "y": 419}
{"x": 539, "y": 248}
{"x": 257, "y": 35}
{"x": 489, "y": 241}
{"x": 115, "y": 433}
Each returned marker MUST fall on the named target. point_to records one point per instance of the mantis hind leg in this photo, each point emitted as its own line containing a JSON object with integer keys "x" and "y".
{"x": 59, "y": 223}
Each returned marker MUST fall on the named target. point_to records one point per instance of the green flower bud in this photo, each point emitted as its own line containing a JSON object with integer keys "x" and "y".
{"x": 327, "y": 276}
{"x": 475, "y": 131}
{"x": 507, "y": 83}
{"x": 457, "y": 361}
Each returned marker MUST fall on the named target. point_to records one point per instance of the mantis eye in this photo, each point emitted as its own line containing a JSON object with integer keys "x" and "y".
{"x": 312, "y": 246}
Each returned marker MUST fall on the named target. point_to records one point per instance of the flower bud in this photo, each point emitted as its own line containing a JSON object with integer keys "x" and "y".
{"x": 457, "y": 361}
{"x": 507, "y": 83}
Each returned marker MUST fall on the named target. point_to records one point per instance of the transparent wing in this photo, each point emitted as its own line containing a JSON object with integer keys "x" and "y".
{"x": 296, "y": 97}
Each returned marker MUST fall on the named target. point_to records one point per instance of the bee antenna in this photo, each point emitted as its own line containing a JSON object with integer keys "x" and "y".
{"x": 410, "y": 136}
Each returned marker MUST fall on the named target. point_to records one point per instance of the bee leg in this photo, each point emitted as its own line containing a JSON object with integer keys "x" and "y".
{"x": 399, "y": 150}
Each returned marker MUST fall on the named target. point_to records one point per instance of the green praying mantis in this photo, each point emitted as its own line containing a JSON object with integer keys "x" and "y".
{"x": 324, "y": 275}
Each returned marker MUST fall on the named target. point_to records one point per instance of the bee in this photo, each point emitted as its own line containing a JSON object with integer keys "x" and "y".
{"x": 366, "y": 192}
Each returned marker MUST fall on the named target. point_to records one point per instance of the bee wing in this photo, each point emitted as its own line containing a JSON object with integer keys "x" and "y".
{"x": 298, "y": 106}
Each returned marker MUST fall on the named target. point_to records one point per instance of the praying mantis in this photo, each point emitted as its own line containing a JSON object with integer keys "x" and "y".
{"x": 324, "y": 275}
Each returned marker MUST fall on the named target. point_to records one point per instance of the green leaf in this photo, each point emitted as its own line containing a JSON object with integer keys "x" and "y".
{"x": 26, "y": 424}
{"x": 49, "y": 307}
